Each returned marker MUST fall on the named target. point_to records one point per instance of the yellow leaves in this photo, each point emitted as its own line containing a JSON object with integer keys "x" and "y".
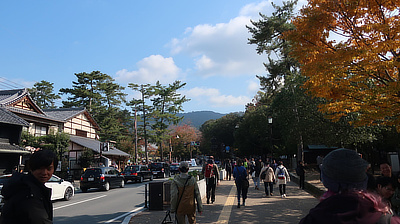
{"x": 349, "y": 50}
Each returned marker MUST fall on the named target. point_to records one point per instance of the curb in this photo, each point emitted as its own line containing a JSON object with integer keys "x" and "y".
{"x": 310, "y": 188}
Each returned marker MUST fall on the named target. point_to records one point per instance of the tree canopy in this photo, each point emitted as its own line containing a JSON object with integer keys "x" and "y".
{"x": 42, "y": 93}
{"x": 349, "y": 52}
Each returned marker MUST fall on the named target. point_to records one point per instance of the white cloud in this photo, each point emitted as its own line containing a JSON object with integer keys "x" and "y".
{"x": 221, "y": 49}
{"x": 151, "y": 69}
{"x": 253, "y": 86}
{"x": 213, "y": 98}
{"x": 253, "y": 9}
{"x": 204, "y": 63}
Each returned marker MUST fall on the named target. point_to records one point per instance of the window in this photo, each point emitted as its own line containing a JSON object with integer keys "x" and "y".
{"x": 81, "y": 133}
{"x": 40, "y": 130}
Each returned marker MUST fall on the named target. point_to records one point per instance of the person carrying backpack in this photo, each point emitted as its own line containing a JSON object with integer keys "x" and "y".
{"x": 240, "y": 175}
{"x": 211, "y": 175}
{"x": 185, "y": 195}
{"x": 268, "y": 177}
{"x": 282, "y": 177}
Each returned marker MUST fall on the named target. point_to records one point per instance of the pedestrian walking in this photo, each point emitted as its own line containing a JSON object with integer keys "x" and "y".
{"x": 257, "y": 170}
{"x": 27, "y": 199}
{"x": 251, "y": 170}
{"x": 301, "y": 173}
{"x": 347, "y": 201}
{"x": 184, "y": 192}
{"x": 282, "y": 176}
{"x": 246, "y": 165}
{"x": 211, "y": 175}
{"x": 242, "y": 184}
{"x": 268, "y": 177}
{"x": 228, "y": 168}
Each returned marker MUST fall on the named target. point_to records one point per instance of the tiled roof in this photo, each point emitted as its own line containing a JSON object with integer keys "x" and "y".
{"x": 6, "y": 147}
{"x": 8, "y": 96}
{"x": 32, "y": 114}
{"x": 95, "y": 146}
{"x": 10, "y": 118}
{"x": 67, "y": 113}
{"x": 64, "y": 113}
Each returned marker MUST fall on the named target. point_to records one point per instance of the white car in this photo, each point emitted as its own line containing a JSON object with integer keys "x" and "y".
{"x": 61, "y": 189}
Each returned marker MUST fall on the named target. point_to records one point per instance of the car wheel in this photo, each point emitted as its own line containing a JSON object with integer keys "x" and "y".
{"x": 122, "y": 184}
{"x": 141, "y": 179}
{"x": 151, "y": 177}
{"x": 68, "y": 194}
{"x": 83, "y": 189}
{"x": 107, "y": 186}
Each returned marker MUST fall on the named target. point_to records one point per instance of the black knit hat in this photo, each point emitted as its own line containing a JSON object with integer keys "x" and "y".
{"x": 344, "y": 167}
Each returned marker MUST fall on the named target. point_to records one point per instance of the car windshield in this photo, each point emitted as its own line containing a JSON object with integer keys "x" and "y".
{"x": 92, "y": 172}
{"x": 131, "y": 168}
{"x": 4, "y": 180}
{"x": 174, "y": 166}
{"x": 156, "y": 165}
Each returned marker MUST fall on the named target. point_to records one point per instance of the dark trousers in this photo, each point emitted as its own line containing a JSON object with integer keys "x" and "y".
{"x": 282, "y": 189}
{"x": 210, "y": 188}
{"x": 229, "y": 174}
{"x": 241, "y": 191}
{"x": 301, "y": 181}
{"x": 271, "y": 187}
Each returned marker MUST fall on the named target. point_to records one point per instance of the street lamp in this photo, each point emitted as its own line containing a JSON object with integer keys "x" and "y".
{"x": 270, "y": 134}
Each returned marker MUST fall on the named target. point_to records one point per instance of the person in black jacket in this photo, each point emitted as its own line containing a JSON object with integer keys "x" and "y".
{"x": 27, "y": 199}
{"x": 301, "y": 173}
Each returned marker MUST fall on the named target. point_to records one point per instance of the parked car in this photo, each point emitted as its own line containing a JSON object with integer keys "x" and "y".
{"x": 101, "y": 177}
{"x": 61, "y": 189}
{"x": 137, "y": 173}
{"x": 160, "y": 169}
{"x": 174, "y": 168}
{"x": 3, "y": 180}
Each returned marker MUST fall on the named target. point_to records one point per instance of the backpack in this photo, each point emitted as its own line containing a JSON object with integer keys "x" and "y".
{"x": 209, "y": 172}
{"x": 263, "y": 174}
{"x": 281, "y": 174}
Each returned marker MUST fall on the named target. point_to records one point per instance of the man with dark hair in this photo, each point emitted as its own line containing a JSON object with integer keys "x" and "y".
{"x": 27, "y": 199}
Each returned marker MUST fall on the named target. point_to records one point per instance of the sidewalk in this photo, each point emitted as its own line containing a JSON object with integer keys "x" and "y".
{"x": 258, "y": 209}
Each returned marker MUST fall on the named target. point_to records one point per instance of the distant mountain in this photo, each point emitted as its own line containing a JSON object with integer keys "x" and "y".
{"x": 197, "y": 118}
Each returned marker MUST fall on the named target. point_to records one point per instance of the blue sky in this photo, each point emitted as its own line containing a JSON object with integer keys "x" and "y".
{"x": 202, "y": 43}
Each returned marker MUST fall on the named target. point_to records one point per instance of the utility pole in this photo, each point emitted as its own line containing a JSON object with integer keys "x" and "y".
{"x": 136, "y": 136}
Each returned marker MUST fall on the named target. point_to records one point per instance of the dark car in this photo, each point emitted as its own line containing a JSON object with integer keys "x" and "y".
{"x": 137, "y": 173}
{"x": 160, "y": 169}
{"x": 101, "y": 177}
{"x": 174, "y": 168}
{"x": 3, "y": 180}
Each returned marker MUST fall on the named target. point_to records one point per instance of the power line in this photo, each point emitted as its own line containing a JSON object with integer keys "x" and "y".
{"x": 8, "y": 84}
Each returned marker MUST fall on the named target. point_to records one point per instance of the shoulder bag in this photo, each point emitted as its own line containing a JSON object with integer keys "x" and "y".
{"x": 168, "y": 215}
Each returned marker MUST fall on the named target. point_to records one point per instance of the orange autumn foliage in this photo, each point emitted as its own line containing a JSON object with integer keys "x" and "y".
{"x": 350, "y": 52}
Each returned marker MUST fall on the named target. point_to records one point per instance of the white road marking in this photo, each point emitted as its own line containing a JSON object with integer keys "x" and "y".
{"x": 128, "y": 215}
{"x": 79, "y": 202}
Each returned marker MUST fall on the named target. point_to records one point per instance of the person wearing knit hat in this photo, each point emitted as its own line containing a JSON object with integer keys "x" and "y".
{"x": 343, "y": 169}
{"x": 347, "y": 201}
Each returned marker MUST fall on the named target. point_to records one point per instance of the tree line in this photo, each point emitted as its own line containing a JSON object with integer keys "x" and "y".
{"x": 148, "y": 120}
{"x": 332, "y": 79}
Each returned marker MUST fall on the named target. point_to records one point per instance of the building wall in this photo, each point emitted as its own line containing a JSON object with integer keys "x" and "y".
{"x": 80, "y": 126}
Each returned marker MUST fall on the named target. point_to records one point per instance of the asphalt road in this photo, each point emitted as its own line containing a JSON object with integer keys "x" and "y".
{"x": 98, "y": 206}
